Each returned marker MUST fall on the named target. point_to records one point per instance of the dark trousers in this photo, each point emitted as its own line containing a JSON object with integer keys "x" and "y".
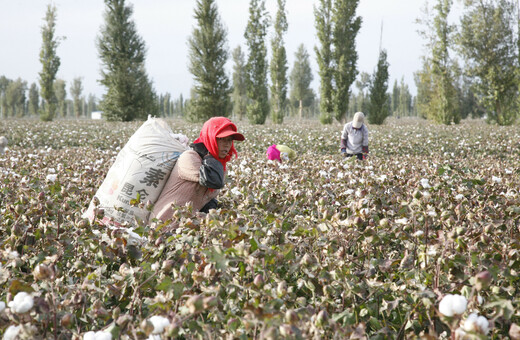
{"x": 358, "y": 155}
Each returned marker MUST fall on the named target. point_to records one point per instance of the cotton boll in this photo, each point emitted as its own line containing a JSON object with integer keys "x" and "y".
{"x": 480, "y": 300}
{"x": 403, "y": 221}
{"x": 2, "y": 306}
{"x": 99, "y": 335}
{"x": 476, "y": 324}
{"x": 51, "y": 177}
{"x": 470, "y": 325}
{"x": 452, "y": 305}
{"x": 460, "y": 333}
{"x": 103, "y": 336}
{"x": 21, "y": 303}
{"x": 445, "y": 306}
{"x": 11, "y": 332}
{"x": 459, "y": 304}
{"x": 425, "y": 183}
{"x": 159, "y": 323}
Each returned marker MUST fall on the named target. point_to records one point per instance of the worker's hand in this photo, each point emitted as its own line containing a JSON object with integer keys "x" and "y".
{"x": 364, "y": 149}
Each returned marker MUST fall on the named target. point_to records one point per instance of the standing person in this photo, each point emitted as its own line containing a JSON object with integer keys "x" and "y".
{"x": 354, "y": 138}
{"x": 199, "y": 173}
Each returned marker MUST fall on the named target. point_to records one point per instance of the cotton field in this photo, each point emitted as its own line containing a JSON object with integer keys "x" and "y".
{"x": 421, "y": 240}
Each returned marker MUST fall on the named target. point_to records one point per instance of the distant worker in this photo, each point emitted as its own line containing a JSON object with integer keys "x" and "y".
{"x": 3, "y": 144}
{"x": 354, "y": 138}
{"x": 280, "y": 153}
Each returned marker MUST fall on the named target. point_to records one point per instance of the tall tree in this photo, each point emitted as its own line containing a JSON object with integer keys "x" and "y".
{"x": 489, "y": 45}
{"x": 130, "y": 94}
{"x": 279, "y": 66}
{"x": 61, "y": 97}
{"x": 404, "y": 105}
{"x": 239, "y": 95}
{"x": 91, "y": 105}
{"x": 324, "y": 57}
{"x": 208, "y": 56}
{"x": 346, "y": 28}
{"x": 395, "y": 97}
{"x": 256, "y": 67}
{"x": 379, "y": 108}
{"x": 167, "y": 99}
{"x": 436, "y": 91}
{"x": 34, "y": 100}
{"x": 301, "y": 78}
{"x": 50, "y": 64}
{"x": 444, "y": 102}
{"x": 4, "y": 83}
{"x": 75, "y": 91}
{"x": 16, "y": 98}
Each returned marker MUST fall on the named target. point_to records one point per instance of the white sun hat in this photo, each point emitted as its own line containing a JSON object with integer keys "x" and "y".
{"x": 358, "y": 120}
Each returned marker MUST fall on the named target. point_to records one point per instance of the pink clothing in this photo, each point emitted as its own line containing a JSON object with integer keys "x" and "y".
{"x": 183, "y": 187}
{"x": 273, "y": 153}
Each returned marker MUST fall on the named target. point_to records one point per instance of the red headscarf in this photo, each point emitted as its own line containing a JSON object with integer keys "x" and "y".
{"x": 221, "y": 127}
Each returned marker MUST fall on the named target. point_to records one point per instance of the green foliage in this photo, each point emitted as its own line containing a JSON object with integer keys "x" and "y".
{"x": 4, "y": 82}
{"x": 208, "y": 56}
{"x": 15, "y": 98}
{"x": 61, "y": 97}
{"x": 337, "y": 26}
{"x": 379, "y": 106}
{"x": 33, "y": 105}
{"x": 489, "y": 44}
{"x": 439, "y": 100}
{"x": 50, "y": 64}
{"x": 75, "y": 91}
{"x": 301, "y": 78}
{"x": 344, "y": 33}
{"x": 239, "y": 94}
{"x": 325, "y": 59}
{"x": 279, "y": 66}
{"x": 256, "y": 67}
{"x": 130, "y": 94}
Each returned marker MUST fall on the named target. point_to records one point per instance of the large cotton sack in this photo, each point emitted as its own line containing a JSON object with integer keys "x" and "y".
{"x": 141, "y": 167}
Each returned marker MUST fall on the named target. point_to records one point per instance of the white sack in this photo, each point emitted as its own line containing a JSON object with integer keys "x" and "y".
{"x": 142, "y": 166}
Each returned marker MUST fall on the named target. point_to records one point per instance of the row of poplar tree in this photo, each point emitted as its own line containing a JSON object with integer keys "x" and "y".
{"x": 470, "y": 68}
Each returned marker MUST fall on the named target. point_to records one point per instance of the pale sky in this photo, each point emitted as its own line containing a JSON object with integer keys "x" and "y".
{"x": 165, "y": 26}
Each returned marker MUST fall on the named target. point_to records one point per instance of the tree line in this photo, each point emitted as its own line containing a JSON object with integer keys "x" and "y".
{"x": 469, "y": 69}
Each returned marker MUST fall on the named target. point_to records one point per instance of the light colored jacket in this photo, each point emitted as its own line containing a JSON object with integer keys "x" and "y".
{"x": 183, "y": 187}
{"x": 355, "y": 138}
